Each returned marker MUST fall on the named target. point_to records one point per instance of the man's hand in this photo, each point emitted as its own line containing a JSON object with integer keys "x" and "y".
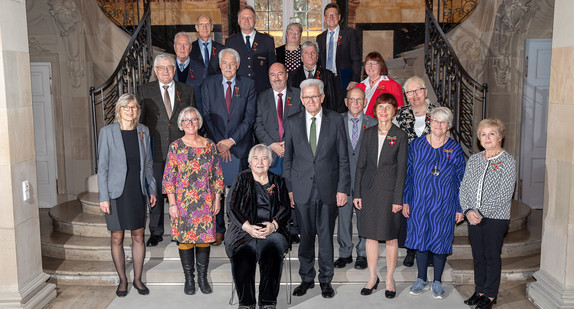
{"x": 341, "y": 199}
{"x": 224, "y": 145}
{"x": 225, "y": 156}
{"x": 152, "y": 200}
{"x": 278, "y": 148}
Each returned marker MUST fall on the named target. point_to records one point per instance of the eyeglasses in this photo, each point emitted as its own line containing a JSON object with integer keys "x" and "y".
{"x": 186, "y": 121}
{"x": 292, "y": 32}
{"x": 332, "y": 15}
{"x": 371, "y": 63}
{"x": 130, "y": 108}
{"x": 355, "y": 100}
{"x": 440, "y": 123}
{"x": 411, "y": 93}
{"x": 311, "y": 97}
{"x": 164, "y": 67}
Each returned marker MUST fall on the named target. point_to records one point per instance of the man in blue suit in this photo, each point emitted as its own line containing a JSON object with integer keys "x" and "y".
{"x": 228, "y": 115}
{"x": 316, "y": 171}
{"x": 204, "y": 49}
{"x": 188, "y": 71}
{"x": 256, "y": 49}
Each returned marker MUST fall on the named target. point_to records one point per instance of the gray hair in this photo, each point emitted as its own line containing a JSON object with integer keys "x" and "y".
{"x": 442, "y": 114}
{"x": 161, "y": 57}
{"x": 124, "y": 100}
{"x": 186, "y": 34}
{"x": 414, "y": 79}
{"x": 309, "y": 44}
{"x": 258, "y": 148}
{"x": 203, "y": 15}
{"x": 298, "y": 25}
{"x": 312, "y": 82}
{"x": 232, "y": 52}
{"x": 189, "y": 109}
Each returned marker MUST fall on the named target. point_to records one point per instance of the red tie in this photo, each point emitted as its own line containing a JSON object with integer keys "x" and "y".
{"x": 280, "y": 115}
{"x": 228, "y": 97}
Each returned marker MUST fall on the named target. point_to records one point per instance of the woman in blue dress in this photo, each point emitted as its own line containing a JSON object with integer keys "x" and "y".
{"x": 435, "y": 169}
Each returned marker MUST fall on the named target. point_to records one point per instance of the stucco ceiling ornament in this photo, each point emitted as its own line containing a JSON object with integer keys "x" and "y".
{"x": 68, "y": 19}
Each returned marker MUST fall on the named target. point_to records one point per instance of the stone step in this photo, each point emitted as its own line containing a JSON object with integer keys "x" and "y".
{"x": 513, "y": 269}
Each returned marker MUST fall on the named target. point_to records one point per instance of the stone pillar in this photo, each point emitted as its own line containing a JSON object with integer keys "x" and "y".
{"x": 554, "y": 286}
{"x": 22, "y": 282}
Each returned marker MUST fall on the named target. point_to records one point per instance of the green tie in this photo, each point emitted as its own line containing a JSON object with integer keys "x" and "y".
{"x": 313, "y": 136}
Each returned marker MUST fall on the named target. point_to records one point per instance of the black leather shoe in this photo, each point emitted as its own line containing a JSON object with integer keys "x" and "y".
{"x": 474, "y": 299}
{"x": 485, "y": 303}
{"x": 142, "y": 291}
{"x": 361, "y": 262}
{"x": 366, "y": 291}
{"x": 409, "y": 260}
{"x": 303, "y": 287}
{"x": 327, "y": 290}
{"x": 121, "y": 293}
{"x": 390, "y": 294}
{"x": 342, "y": 262}
{"x": 295, "y": 239}
{"x": 154, "y": 240}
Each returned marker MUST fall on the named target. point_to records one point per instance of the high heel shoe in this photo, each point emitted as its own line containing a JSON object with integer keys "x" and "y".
{"x": 144, "y": 291}
{"x": 389, "y": 293}
{"x": 121, "y": 293}
{"x": 486, "y": 303}
{"x": 366, "y": 291}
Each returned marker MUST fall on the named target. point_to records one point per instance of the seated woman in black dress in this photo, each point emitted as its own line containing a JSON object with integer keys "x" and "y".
{"x": 258, "y": 214}
{"x": 123, "y": 151}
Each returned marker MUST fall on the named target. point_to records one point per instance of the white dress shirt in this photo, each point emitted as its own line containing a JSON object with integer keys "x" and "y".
{"x": 170, "y": 90}
{"x": 318, "y": 118}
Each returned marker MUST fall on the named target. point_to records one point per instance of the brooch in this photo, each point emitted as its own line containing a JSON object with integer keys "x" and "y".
{"x": 270, "y": 189}
{"x": 237, "y": 92}
{"x": 380, "y": 87}
{"x": 447, "y": 153}
{"x": 254, "y": 47}
{"x": 178, "y": 97}
{"x": 339, "y": 40}
{"x": 141, "y": 134}
{"x": 213, "y": 51}
{"x": 289, "y": 101}
{"x": 364, "y": 127}
{"x": 392, "y": 140}
{"x": 191, "y": 73}
{"x": 317, "y": 74}
{"x": 495, "y": 165}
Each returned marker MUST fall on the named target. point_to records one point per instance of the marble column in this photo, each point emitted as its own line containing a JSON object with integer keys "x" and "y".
{"x": 22, "y": 281}
{"x": 554, "y": 286}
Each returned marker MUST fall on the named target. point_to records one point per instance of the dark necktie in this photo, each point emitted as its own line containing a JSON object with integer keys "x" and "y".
{"x": 206, "y": 58}
{"x": 228, "y": 97}
{"x": 355, "y": 132}
{"x": 310, "y": 74}
{"x": 248, "y": 44}
{"x": 167, "y": 101}
{"x": 280, "y": 115}
{"x": 313, "y": 136}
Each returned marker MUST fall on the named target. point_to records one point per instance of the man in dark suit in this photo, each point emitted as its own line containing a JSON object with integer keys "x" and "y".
{"x": 316, "y": 171}
{"x": 310, "y": 69}
{"x": 228, "y": 115}
{"x": 161, "y": 101}
{"x": 256, "y": 49}
{"x": 187, "y": 70}
{"x": 356, "y": 122}
{"x": 340, "y": 50}
{"x": 273, "y": 107}
{"x": 204, "y": 49}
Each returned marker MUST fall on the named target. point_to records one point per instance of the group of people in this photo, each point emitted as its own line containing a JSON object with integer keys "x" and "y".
{"x": 330, "y": 145}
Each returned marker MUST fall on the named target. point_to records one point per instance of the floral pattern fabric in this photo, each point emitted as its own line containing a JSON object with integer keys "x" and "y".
{"x": 194, "y": 175}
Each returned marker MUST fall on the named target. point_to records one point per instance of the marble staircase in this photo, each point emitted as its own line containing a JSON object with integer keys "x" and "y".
{"x": 76, "y": 250}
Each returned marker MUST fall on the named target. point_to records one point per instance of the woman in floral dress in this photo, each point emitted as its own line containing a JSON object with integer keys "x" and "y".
{"x": 193, "y": 182}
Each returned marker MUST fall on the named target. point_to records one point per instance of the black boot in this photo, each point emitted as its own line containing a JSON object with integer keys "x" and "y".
{"x": 186, "y": 257}
{"x": 202, "y": 261}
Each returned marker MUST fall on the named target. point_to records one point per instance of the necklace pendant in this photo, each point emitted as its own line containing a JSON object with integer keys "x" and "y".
{"x": 435, "y": 171}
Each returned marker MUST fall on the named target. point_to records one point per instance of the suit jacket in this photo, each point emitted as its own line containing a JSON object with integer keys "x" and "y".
{"x": 366, "y": 122}
{"x": 238, "y": 124}
{"x": 163, "y": 130}
{"x": 390, "y": 174}
{"x": 195, "y": 77}
{"x": 196, "y": 54}
{"x": 255, "y": 63}
{"x": 332, "y": 100}
{"x": 266, "y": 126}
{"x": 348, "y": 52}
{"x": 112, "y": 165}
{"x": 329, "y": 167}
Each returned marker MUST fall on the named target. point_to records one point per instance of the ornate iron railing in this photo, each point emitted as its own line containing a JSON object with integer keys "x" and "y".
{"x": 453, "y": 86}
{"x": 450, "y": 13}
{"x": 126, "y": 14}
{"x": 134, "y": 69}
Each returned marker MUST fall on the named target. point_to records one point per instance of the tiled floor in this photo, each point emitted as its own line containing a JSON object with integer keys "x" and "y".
{"x": 512, "y": 295}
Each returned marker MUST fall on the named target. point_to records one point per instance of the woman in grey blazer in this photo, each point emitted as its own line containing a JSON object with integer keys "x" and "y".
{"x": 379, "y": 186}
{"x": 124, "y": 164}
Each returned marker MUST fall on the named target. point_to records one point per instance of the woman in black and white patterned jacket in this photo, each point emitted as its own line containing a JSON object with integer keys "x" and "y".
{"x": 485, "y": 196}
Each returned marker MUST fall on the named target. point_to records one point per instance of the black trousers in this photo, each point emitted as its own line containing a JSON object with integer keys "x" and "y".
{"x": 316, "y": 218}
{"x": 486, "y": 240}
{"x": 156, "y": 212}
{"x": 269, "y": 253}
